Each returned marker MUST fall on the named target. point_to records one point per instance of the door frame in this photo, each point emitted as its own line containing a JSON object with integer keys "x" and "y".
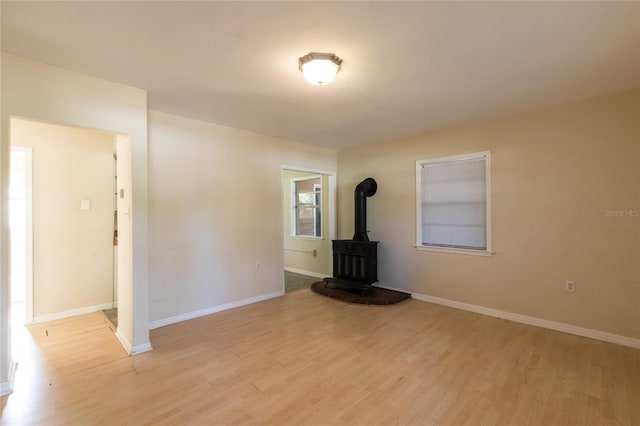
{"x": 126, "y": 257}
{"x": 331, "y": 208}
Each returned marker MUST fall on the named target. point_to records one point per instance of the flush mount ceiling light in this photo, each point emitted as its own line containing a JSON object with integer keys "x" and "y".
{"x": 319, "y": 68}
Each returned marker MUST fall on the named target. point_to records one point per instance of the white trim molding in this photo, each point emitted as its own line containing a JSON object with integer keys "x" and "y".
{"x": 71, "y": 313}
{"x": 456, "y": 250}
{"x": 132, "y": 350}
{"x": 142, "y": 348}
{"x": 7, "y": 387}
{"x": 126, "y": 344}
{"x": 303, "y": 272}
{"x": 212, "y": 310}
{"x": 538, "y": 322}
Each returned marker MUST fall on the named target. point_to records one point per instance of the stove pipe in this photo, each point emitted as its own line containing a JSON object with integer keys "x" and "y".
{"x": 364, "y": 189}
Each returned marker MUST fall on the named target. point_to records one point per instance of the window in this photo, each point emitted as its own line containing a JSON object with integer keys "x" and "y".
{"x": 307, "y": 207}
{"x": 454, "y": 204}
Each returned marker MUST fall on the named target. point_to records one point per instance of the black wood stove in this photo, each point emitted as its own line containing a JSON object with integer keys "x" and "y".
{"x": 355, "y": 261}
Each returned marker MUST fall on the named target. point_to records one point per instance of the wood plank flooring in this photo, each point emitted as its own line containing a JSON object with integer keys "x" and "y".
{"x": 303, "y": 359}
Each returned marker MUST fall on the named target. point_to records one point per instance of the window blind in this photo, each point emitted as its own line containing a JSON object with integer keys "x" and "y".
{"x": 453, "y": 197}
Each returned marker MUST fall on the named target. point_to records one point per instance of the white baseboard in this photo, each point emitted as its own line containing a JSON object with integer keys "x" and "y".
{"x": 132, "y": 350}
{"x": 303, "y": 272}
{"x": 538, "y": 322}
{"x": 71, "y": 313}
{"x": 7, "y": 387}
{"x": 126, "y": 344}
{"x": 212, "y": 310}
{"x": 142, "y": 348}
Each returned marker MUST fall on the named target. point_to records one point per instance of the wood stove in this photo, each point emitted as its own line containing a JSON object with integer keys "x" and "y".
{"x": 355, "y": 261}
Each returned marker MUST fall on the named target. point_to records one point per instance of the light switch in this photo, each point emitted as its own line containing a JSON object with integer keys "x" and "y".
{"x": 85, "y": 205}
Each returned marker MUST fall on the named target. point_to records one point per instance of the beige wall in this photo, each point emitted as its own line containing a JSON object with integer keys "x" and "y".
{"x": 295, "y": 256}
{"x": 72, "y": 248}
{"x": 215, "y": 211}
{"x": 556, "y": 173}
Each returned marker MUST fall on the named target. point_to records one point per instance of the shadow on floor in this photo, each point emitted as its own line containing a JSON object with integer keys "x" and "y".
{"x": 293, "y": 281}
{"x": 112, "y": 315}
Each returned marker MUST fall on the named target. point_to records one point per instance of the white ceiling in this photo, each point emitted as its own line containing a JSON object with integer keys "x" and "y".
{"x": 409, "y": 67}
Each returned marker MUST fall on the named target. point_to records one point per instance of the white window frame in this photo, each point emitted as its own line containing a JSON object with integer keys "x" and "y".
{"x": 294, "y": 203}
{"x": 488, "y": 251}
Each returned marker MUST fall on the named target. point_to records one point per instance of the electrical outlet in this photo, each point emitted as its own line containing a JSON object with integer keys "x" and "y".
{"x": 570, "y": 286}
{"x": 258, "y": 266}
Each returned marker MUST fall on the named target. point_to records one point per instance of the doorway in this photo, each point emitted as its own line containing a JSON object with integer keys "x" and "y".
{"x": 61, "y": 186}
{"x": 308, "y": 217}
{"x": 20, "y": 199}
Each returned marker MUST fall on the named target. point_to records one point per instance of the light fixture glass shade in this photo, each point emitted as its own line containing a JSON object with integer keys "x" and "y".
{"x": 319, "y": 68}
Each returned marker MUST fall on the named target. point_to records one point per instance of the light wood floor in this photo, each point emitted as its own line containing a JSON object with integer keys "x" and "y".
{"x": 304, "y": 359}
